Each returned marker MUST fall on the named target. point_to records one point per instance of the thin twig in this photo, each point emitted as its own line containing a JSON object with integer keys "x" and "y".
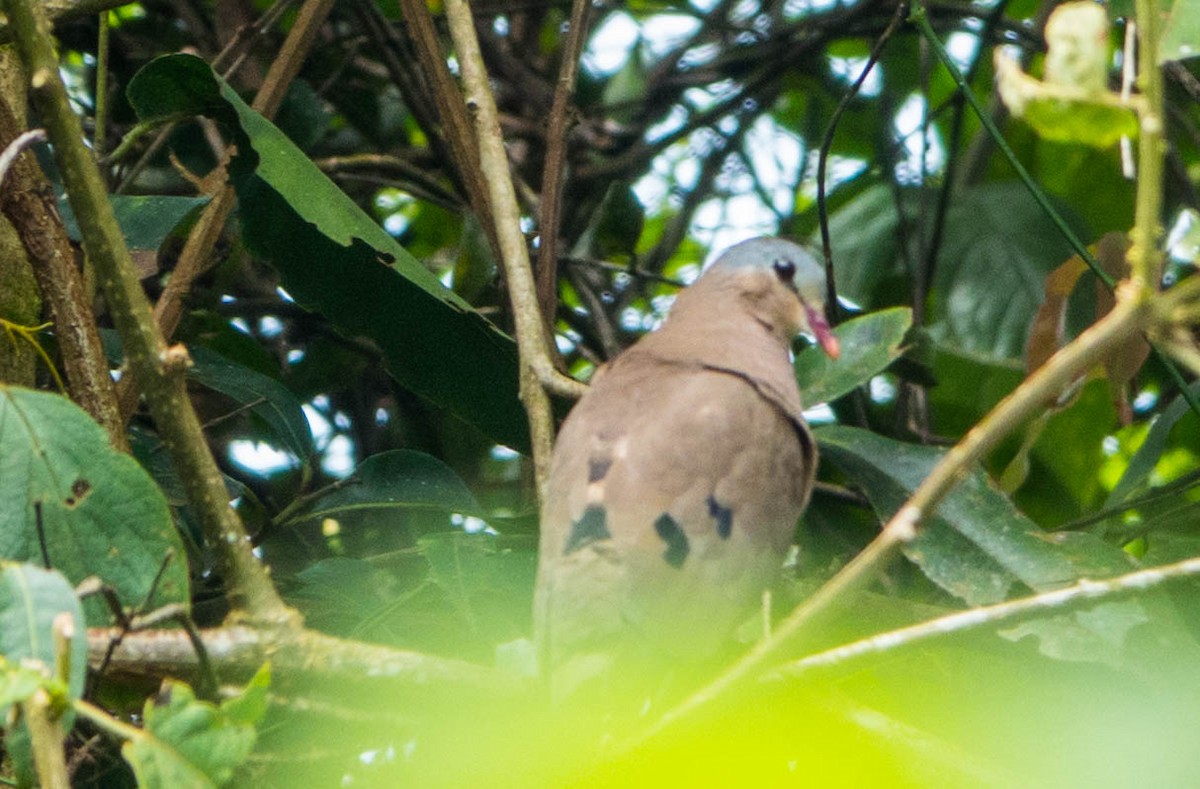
{"x": 877, "y": 48}
{"x": 843, "y": 658}
{"x": 556, "y": 161}
{"x": 22, "y": 143}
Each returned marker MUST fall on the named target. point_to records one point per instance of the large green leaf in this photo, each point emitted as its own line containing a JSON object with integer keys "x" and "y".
{"x": 977, "y": 545}
{"x": 999, "y": 247}
{"x": 190, "y": 743}
{"x": 99, "y": 513}
{"x": 869, "y": 344}
{"x": 486, "y": 578}
{"x": 336, "y": 260}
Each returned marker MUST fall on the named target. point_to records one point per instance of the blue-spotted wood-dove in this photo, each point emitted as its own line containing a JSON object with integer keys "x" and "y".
{"x": 678, "y": 479}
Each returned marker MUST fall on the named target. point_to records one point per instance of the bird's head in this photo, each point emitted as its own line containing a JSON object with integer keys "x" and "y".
{"x": 782, "y": 284}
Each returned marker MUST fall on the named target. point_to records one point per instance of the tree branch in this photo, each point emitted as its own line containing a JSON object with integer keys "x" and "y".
{"x": 158, "y": 369}
{"x": 302, "y": 656}
{"x": 27, "y": 200}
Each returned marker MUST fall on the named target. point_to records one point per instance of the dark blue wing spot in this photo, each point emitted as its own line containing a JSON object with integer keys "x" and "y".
{"x": 677, "y": 542}
{"x": 588, "y": 529}
{"x": 722, "y": 515}
{"x": 598, "y": 468}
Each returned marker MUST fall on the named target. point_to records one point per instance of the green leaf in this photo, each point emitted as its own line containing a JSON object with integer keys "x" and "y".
{"x": 274, "y": 403}
{"x": 281, "y": 409}
{"x": 250, "y": 706}
{"x": 1180, "y": 37}
{"x": 1092, "y": 635}
{"x": 399, "y": 480}
{"x": 869, "y": 344}
{"x": 999, "y": 247}
{"x": 1151, "y": 450}
{"x": 864, "y": 242}
{"x": 190, "y": 743}
{"x": 99, "y": 512}
{"x": 1094, "y": 123}
{"x": 17, "y": 683}
{"x": 1063, "y": 482}
{"x": 968, "y": 386}
{"x": 31, "y": 599}
{"x": 336, "y": 260}
{"x": 977, "y": 545}
{"x": 145, "y": 220}
{"x": 351, "y": 597}
{"x": 485, "y": 580}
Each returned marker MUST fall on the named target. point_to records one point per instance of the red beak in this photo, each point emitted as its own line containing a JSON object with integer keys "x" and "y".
{"x": 820, "y": 328}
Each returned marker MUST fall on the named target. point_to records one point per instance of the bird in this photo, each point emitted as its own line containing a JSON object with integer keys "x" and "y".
{"x": 677, "y": 480}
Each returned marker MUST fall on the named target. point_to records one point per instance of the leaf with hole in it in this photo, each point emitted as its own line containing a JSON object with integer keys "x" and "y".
{"x": 336, "y": 260}
{"x": 68, "y": 498}
{"x": 977, "y": 545}
{"x": 869, "y": 344}
{"x": 191, "y": 743}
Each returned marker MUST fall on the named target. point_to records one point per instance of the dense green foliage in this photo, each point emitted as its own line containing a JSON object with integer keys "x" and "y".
{"x": 355, "y": 371}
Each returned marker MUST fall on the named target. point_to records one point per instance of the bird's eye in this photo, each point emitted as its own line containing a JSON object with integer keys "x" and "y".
{"x": 785, "y": 270}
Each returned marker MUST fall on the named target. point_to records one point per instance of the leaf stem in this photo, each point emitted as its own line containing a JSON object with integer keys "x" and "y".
{"x": 1145, "y": 258}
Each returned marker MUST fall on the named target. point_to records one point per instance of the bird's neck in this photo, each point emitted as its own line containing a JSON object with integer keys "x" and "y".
{"x": 752, "y": 348}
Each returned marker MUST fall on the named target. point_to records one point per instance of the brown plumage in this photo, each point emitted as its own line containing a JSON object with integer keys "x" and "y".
{"x": 678, "y": 479}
